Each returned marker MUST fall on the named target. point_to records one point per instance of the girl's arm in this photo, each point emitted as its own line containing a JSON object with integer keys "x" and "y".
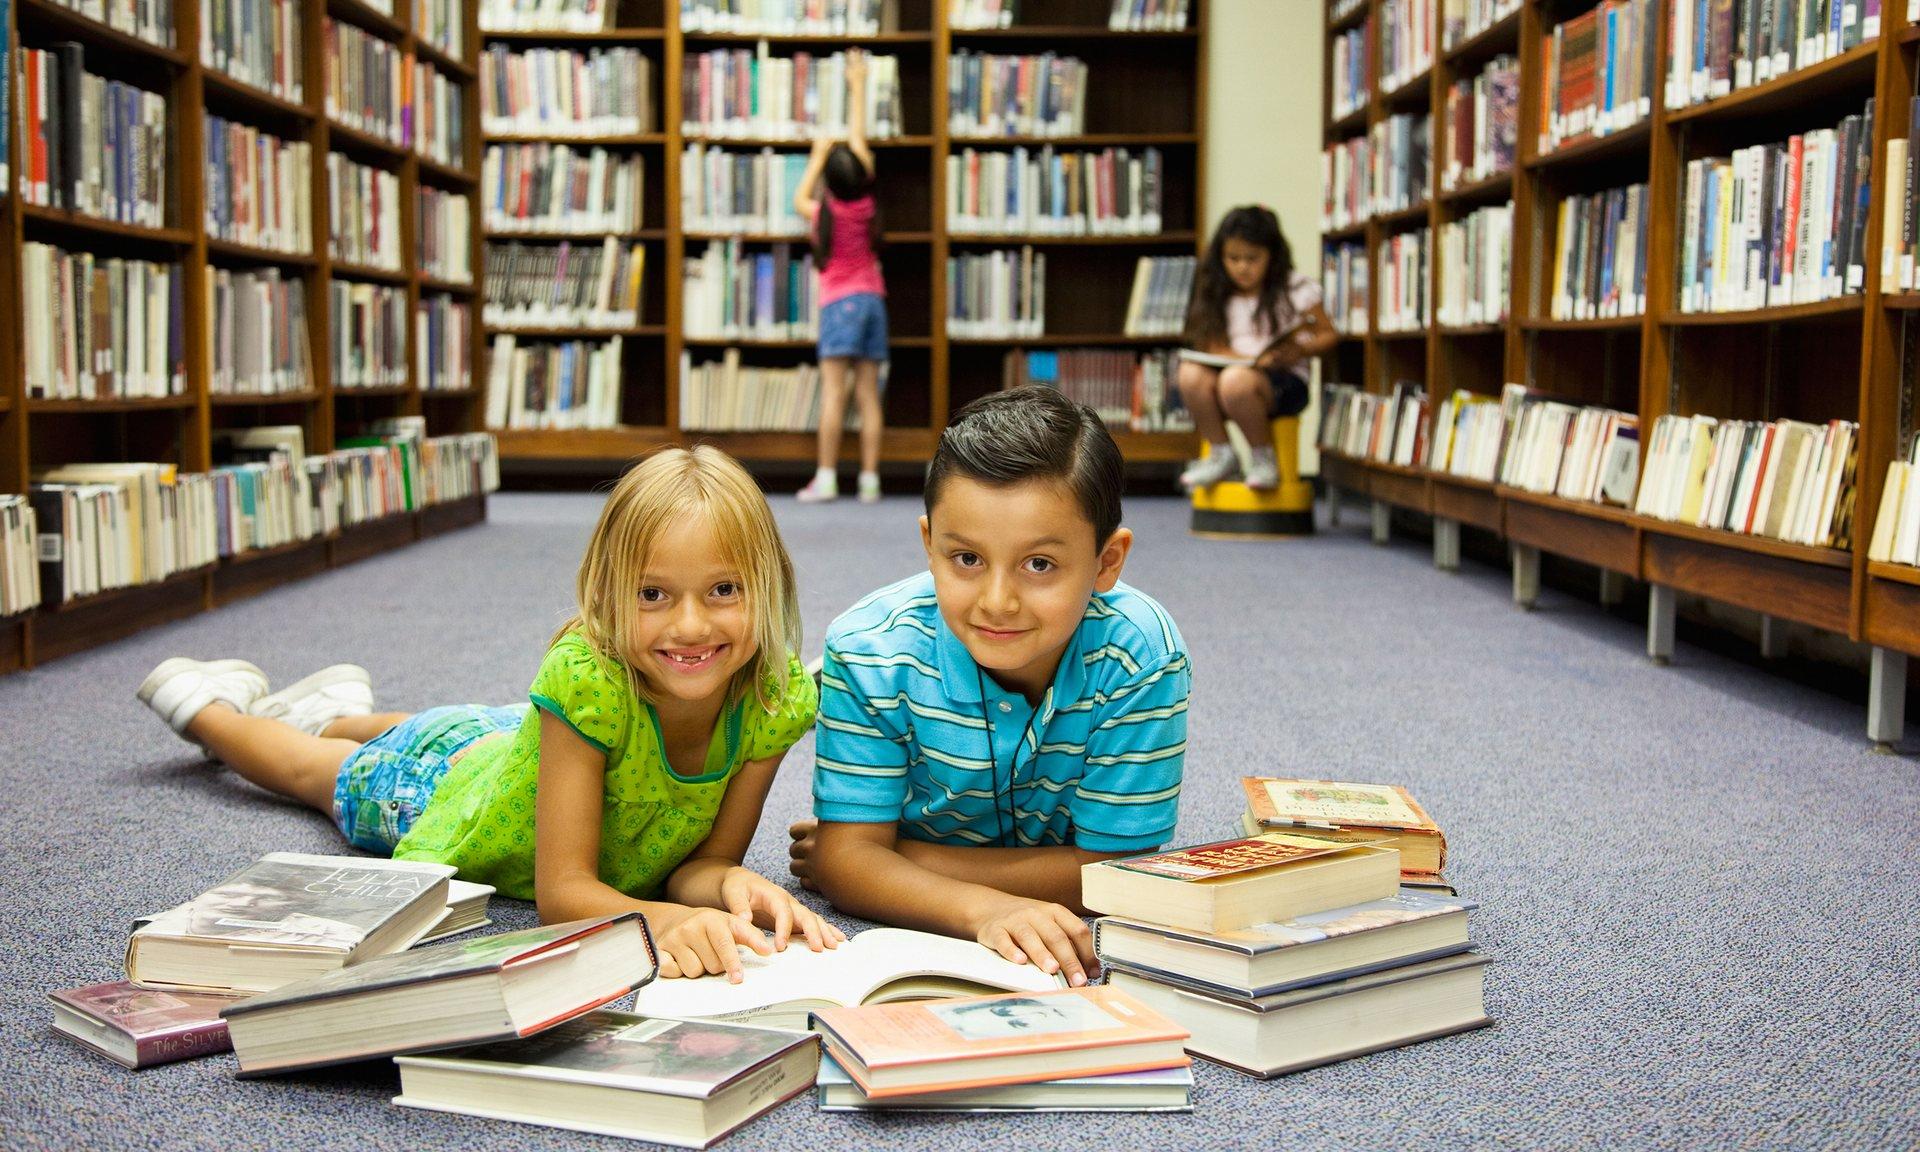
{"x": 566, "y": 865}
{"x": 857, "y": 107}
{"x": 804, "y": 201}
{"x": 1316, "y": 337}
{"x": 712, "y": 877}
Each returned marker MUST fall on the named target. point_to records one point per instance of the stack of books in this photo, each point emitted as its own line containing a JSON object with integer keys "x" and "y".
{"x": 1579, "y": 452}
{"x": 1600, "y": 255}
{"x": 1787, "y": 479}
{"x": 1599, "y": 70}
{"x": 566, "y": 92}
{"x": 1284, "y": 951}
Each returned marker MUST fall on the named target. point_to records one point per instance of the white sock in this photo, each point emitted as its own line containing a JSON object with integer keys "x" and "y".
{"x": 826, "y": 478}
{"x": 1260, "y": 453}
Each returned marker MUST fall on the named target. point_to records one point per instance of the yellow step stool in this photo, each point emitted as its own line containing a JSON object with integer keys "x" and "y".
{"x": 1233, "y": 509}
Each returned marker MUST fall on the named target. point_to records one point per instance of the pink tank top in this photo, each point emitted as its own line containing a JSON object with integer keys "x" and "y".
{"x": 852, "y": 267}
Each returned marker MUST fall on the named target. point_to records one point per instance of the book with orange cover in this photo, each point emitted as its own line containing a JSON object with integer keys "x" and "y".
{"x": 1334, "y": 810}
{"x": 979, "y": 1041}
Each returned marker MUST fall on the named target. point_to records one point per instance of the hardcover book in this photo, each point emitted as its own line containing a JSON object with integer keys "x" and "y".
{"x": 140, "y": 1027}
{"x": 1336, "y": 810}
{"x": 466, "y": 910}
{"x": 1155, "y": 1090}
{"x": 686, "y": 1083}
{"x": 980, "y": 1041}
{"x": 288, "y": 917}
{"x": 446, "y": 995}
{"x": 1220, "y": 887}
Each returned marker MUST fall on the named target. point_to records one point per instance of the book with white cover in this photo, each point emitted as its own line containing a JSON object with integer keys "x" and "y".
{"x": 878, "y": 966}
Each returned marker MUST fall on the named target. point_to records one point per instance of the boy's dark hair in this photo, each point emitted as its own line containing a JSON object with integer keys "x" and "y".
{"x": 1034, "y": 433}
{"x": 1207, "y": 310}
{"x": 846, "y": 178}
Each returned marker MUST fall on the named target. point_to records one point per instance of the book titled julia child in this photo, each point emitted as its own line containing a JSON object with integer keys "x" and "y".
{"x": 140, "y": 1027}
{"x": 1336, "y": 810}
{"x": 1236, "y": 883}
{"x": 978, "y": 1041}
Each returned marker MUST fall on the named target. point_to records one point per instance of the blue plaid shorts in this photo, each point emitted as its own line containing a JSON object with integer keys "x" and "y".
{"x": 385, "y": 784}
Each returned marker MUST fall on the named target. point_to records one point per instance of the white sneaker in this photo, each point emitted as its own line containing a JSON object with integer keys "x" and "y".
{"x": 1263, "y": 470}
{"x": 320, "y": 699}
{"x": 869, "y": 487}
{"x": 819, "y": 491}
{"x": 1218, "y": 465}
{"x": 179, "y": 688}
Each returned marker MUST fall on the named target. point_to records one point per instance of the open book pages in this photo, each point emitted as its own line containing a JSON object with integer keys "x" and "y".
{"x": 878, "y": 966}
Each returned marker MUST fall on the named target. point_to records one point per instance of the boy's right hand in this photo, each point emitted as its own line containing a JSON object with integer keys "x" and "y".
{"x": 1035, "y": 932}
{"x": 702, "y": 942}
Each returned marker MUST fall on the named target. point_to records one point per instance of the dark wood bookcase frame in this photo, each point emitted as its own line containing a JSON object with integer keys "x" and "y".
{"x": 39, "y": 433}
{"x": 1144, "y": 88}
{"x": 1852, "y": 358}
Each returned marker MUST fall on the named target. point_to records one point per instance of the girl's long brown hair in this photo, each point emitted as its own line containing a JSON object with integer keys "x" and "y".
{"x": 1207, "y": 310}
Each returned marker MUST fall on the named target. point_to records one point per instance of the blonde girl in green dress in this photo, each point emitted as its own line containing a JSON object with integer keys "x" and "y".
{"x": 633, "y": 777}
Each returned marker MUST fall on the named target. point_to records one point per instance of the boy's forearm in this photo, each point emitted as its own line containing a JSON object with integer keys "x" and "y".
{"x": 879, "y": 883}
{"x": 1048, "y": 873}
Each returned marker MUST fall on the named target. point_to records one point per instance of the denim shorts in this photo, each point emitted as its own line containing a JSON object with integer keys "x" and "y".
{"x": 385, "y": 784}
{"x": 854, "y": 327}
{"x": 1290, "y": 393}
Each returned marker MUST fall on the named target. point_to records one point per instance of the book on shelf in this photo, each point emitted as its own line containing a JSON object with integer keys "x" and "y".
{"x": 547, "y": 15}
{"x": 363, "y": 214}
{"x": 99, "y": 327}
{"x": 1389, "y": 428}
{"x": 1401, "y": 158}
{"x": 1157, "y": 304}
{"x": 19, "y": 557}
{"x": 256, "y": 42}
{"x": 1786, "y": 479}
{"x": 1578, "y": 452}
{"x": 262, "y": 499}
{"x": 439, "y": 116}
{"x": 1346, "y": 183}
{"x": 1137, "y": 392}
{"x": 106, "y": 526}
{"x": 877, "y": 966}
{"x": 1233, "y": 883}
{"x": 1350, "y": 76}
{"x": 147, "y": 20}
{"x": 980, "y": 1041}
{"x": 727, "y": 190}
{"x": 1042, "y": 192}
{"x": 1778, "y": 224}
{"x": 460, "y": 466}
{"x": 285, "y": 918}
{"x": 1321, "y": 1024}
{"x": 553, "y": 384}
{"x": 1896, "y": 530}
{"x": 1462, "y": 20}
{"x": 535, "y": 188}
{"x": 994, "y": 95}
{"x": 1598, "y": 72}
{"x": 1400, "y": 281}
{"x": 1343, "y": 811}
{"x": 366, "y": 81}
{"x": 566, "y": 91}
{"x": 790, "y": 17}
{"x": 140, "y": 1027}
{"x": 732, "y": 292}
{"x": 684, "y": 1083}
{"x": 1600, "y": 255}
{"x": 1476, "y": 256}
{"x": 564, "y": 285}
{"x": 1343, "y": 287}
{"x": 1469, "y": 431}
{"x": 982, "y": 14}
{"x": 734, "y": 93}
{"x": 257, "y": 331}
{"x": 1721, "y": 48}
{"x": 91, "y": 145}
{"x": 443, "y": 25}
{"x": 489, "y": 988}
{"x": 443, "y": 343}
{"x": 1482, "y": 124}
{"x": 1901, "y": 210}
{"x": 443, "y": 229}
{"x": 1149, "y": 15}
{"x": 996, "y": 295}
{"x": 1155, "y": 1090}
{"x": 258, "y": 188}
{"x": 727, "y": 396}
{"x": 1281, "y": 955}
{"x": 368, "y": 348}
{"x": 1406, "y": 41}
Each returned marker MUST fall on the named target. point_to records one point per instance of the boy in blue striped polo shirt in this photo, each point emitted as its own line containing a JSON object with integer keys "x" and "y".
{"x": 990, "y": 725}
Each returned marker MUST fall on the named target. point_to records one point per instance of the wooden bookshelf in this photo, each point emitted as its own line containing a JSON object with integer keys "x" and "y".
{"x": 37, "y": 433}
{"x": 1852, "y": 358}
{"x": 1144, "y": 89}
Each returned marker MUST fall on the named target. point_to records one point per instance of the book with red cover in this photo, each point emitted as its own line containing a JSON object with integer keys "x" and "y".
{"x": 1022, "y": 1038}
{"x": 140, "y": 1027}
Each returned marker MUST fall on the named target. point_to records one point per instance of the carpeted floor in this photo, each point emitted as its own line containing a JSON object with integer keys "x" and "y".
{"x": 1699, "y": 884}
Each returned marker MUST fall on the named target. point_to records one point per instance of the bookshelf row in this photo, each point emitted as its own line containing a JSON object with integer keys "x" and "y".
{"x": 1697, "y": 235}
{"x": 222, "y": 219}
{"x": 1031, "y": 169}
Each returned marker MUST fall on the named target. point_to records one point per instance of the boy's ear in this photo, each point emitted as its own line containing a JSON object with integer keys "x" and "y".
{"x": 1113, "y": 557}
{"x": 926, "y": 537}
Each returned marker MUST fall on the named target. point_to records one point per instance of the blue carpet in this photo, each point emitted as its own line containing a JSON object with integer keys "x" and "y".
{"x": 1698, "y": 883}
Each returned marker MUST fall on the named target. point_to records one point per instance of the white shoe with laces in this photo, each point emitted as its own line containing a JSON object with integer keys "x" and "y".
{"x": 318, "y": 700}
{"x": 179, "y": 688}
{"x": 1263, "y": 470}
{"x": 819, "y": 491}
{"x": 1219, "y": 464}
{"x": 869, "y": 487}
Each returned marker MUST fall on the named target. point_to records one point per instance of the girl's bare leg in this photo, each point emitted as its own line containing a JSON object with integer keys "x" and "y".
{"x": 866, "y": 393}
{"x": 275, "y": 756}
{"x": 361, "y": 729}
{"x": 1246, "y": 394}
{"x": 1199, "y": 389}
{"x": 834, "y": 371}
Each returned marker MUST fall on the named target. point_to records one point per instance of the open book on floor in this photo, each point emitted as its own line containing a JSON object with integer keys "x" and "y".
{"x": 1155, "y": 1090}
{"x": 288, "y": 917}
{"x": 670, "y": 1081}
{"x": 139, "y": 1027}
{"x": 877, "y": 966}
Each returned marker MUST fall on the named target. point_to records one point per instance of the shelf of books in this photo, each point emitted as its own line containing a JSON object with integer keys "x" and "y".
{"x": 237, "y": 277}
{"x": 1631, "y": 283}
{"x": 672, "y": 300}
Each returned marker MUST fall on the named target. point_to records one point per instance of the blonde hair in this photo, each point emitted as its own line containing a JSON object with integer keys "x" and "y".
{"x": 656, "y": 493}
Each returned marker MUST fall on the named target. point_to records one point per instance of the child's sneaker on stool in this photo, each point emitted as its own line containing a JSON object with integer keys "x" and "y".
{"x": 824, "y": 486}
{"x": 869, "y": 487}
{"x": 1217, "y": 465}
{"x": 179, "y": 688}
{"x": 320, "y": 699}
{"x": 1263, "y": 470}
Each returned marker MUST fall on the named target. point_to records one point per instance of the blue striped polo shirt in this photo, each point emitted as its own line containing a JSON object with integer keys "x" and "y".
{"x": 904, "y": 736}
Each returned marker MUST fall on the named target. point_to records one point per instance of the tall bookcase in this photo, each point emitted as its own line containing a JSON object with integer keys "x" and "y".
{"x": 1144, "y": 89}
{"x": 1851, "y": 358}
{"x": 38, "y": 433}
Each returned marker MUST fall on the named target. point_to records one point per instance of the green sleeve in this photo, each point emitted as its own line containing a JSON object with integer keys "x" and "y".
{"x": 770, "y": 733}
{"x": 586, "y": 690}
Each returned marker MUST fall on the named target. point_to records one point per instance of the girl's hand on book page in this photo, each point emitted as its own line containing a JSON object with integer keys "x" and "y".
{"x": 703, "y": 941}
{"x": 758, "y": 900}
{"x": 1036, "y": 932}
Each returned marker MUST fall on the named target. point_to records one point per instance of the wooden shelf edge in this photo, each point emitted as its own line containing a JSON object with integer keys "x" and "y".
{"x": 104, "y": 228}
{"x": 433, "y": 54}
{"x": 1743, "y": 542}
{"x": 1489, "y": 40}
{"x": 1782, "y": 92}
{"x": 131, "y": 404}
{"x": 1819, "y": 309}
{"x": 1881, "y": 569}
{"x": 1601, "y": 324}
{"x": 73, "y": 23}
{"x": 255, "y": 399}
{"x": 1589, "y": 148}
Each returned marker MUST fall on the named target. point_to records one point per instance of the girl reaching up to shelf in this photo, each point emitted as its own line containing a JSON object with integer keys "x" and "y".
{"x": 633, "y": 777}
{"x": 1253, "y": 324}
{"x": 853, "y": 296}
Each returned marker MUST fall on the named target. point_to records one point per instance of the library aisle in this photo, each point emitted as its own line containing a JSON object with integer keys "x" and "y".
{"x": 1697, "y": 880}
